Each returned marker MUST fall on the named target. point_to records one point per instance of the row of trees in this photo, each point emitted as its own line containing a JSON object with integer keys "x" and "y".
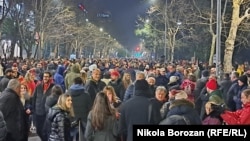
{"x": 191, "y": 28}
{"x": 55, "y": 25}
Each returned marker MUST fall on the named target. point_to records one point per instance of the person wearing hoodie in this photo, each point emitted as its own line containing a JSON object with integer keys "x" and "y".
{"x": 58, "y": 77}
{"x": 59, "y": 116}
{"x": 81, "y": 103}
{"x": 72, "y": 74}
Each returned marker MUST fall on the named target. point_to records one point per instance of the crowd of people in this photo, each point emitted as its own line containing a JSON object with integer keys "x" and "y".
{"x": 101, "y": 99}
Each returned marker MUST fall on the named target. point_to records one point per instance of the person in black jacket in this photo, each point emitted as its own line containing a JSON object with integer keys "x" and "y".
{"x": 6, "y": 78}
{"x": 41, "y": 92}
{"x": 13, "y": 112}
{"x": 59, "y": 116}
{"x": 3, "y": 128}
{"x": 81, "y": 104}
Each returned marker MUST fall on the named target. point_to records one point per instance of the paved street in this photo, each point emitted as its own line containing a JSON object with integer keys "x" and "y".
{"x": 34, "y": 138}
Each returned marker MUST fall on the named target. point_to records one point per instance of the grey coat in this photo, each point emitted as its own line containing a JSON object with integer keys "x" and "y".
{"x": 109, "y": 133}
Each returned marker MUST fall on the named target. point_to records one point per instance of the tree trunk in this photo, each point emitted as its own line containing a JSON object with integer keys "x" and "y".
{"x": 212, "y": 50}
{"x": 173, "y": 47}
{"x": 229, "y": 44}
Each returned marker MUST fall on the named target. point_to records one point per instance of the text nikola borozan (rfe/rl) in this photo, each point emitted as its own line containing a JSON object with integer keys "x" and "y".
{"x": 192, "y": 133}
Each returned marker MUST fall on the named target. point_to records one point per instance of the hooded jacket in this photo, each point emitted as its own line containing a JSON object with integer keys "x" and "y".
{"x": 184, "y": 108}
{"x": 58, "y": 77}
{"x": 81, "y": 102}
{"x": 70, "y": 76}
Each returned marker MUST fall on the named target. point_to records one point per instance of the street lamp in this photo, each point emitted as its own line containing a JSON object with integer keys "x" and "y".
{"x": 218, "y": 39}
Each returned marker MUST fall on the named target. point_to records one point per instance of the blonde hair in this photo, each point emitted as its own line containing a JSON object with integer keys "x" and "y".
{"x": 126, "y": 82}
{"x": 61, "y": 103}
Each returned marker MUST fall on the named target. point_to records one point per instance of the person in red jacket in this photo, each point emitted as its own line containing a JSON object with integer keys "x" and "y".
{"x": 240, "y": 116}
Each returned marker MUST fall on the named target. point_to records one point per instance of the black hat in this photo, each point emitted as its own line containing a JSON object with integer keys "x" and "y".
{"x": 141, "y": 85}
{"x": 205, "y": 73}
{"x": 243, "y": 79}
{"x": 8, "y": 70}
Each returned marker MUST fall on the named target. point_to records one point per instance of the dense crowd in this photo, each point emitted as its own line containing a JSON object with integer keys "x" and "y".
{"x": 101, "y": 99}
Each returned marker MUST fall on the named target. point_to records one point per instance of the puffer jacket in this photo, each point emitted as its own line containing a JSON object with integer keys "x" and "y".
{"x": 60, "y": 124}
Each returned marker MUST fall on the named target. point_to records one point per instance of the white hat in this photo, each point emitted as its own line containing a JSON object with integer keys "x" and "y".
{"x": 173, "y": 79}
{"x": 181, "y": 95}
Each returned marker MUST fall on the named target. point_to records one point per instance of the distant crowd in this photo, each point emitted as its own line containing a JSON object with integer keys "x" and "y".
{"x": 101, "y": 99}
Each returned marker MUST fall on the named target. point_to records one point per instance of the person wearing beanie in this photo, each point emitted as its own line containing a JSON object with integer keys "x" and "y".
{"x": 215, "y": 94}
{"x": 136, "y": 110}
{"x": 142, "y": 88}
{"x": 242, "y": 85}
{"x": 116, "y": 83}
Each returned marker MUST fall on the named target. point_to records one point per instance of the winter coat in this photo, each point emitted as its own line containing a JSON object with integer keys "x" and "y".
{"x": 237, "y": 97}
{"x": 71, "y": 75}
{"x": 60, "y": 125}
{"x": 58, "y": 77}
{"x": 14, "y": 115}
{"x": 4, "y": 82}
{"x": 117, "y": 85}
{"x": 135, "y": 111}
{"x": 39, "y": 99}
{"x": 3, "y": 128}
{"x": 200, "y": 84}
{"x": 109, "y": 133}
{"x": 225, "y": 84}
{"x": 184, "y": 108}
{"x": 129, "y": 92}
{"x": 81, "y": 102}
{"x": 93, "y": 87}
{"x": 230, "y": 94}
{"x": 238, "y": 117}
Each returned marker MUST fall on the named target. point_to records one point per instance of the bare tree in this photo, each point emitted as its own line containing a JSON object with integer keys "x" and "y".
{"x": 237, "y": 19}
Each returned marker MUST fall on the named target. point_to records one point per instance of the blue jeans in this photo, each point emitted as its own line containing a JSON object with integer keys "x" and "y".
{"x": 75, "y": 134}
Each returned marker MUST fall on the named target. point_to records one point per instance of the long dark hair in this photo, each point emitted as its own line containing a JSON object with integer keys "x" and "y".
{"x": 57, "y": 90}
{"x": 100, "y": 111}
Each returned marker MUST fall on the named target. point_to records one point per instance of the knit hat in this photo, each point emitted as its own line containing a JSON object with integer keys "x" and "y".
{"x": 141, "y": 85}
{"x": 8, "y": 70}
{"x": 243, "y": 79}
{"x": 115, "y": 73}
{"x": 211, "y": 84}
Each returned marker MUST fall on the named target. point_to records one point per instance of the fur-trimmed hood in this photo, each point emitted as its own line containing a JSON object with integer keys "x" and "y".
{"x": 180, "y": 102}
{"x": 184, "y": 107}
